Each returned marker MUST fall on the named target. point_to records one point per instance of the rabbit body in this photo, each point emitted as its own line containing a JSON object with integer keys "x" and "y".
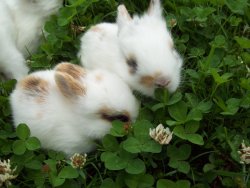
{"x": 22, "y": 22}
{"x": 69, "y": 108}
{"x": 139, "y": 49}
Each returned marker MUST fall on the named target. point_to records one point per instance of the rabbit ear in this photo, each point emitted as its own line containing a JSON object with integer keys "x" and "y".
{"x": 69, "y": 87}
{"x": 35, "y": 87}
{"x": 73, "y": 70}
{"x": 155, "y": 8}
{"x": 123, "y": 17}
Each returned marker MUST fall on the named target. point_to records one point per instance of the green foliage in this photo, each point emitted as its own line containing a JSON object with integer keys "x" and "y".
{"x": 209, "y": 114}
{"x": 168, "y": 183}
{"x": 25, "y": 141}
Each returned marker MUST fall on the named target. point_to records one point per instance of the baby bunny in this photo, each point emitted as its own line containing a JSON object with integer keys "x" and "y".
{"x": 140, "y": 50}
{"x": 21, "y": 28}
{"x": 69, "y": 107}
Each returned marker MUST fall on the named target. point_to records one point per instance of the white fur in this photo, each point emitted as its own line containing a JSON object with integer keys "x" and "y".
{"x": 107, "y": 45}
{"x": 20, "y": 32}
{"x": 72, "y": 124}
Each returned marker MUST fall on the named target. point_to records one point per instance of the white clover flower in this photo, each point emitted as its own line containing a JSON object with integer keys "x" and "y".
{"x": 6, "y": 173}
{"x": 244, "y": 153}
{"x": 161, "y": 135}
{"x": 78, "y": 160}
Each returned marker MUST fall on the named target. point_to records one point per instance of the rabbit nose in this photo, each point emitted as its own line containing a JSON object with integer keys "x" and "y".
{"x": 162, "y": 82}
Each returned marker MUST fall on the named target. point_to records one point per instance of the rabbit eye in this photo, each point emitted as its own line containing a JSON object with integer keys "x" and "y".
{"x": 122, "y": 118}
{"x": 132, "y": 64}
{"x": 119, "y": 117}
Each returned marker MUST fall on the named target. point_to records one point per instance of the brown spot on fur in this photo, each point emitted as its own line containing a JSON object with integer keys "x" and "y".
{"x": 40, "y": 99}
{"x": 73, "y": 70}
{"x": 147, "y": 81}
{"x": 98, "y": 77}
{"x": 69, "y": 86}
{"x": 35, "y": 87}
{"x": 34, "y": 83}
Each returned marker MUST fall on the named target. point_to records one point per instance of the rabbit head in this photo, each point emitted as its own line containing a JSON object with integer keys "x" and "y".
{"x": 103, "y": 94}
{"x": 148, "y": 48}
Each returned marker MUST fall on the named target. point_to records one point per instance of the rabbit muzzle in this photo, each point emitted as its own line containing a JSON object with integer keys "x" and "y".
{"x": 162, "y": 82}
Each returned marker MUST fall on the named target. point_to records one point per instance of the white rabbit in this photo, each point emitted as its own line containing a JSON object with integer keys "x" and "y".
{"x": 139, "y": 49}
{"x": 21, "y": 29}
{"x": 68, "y": 108}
